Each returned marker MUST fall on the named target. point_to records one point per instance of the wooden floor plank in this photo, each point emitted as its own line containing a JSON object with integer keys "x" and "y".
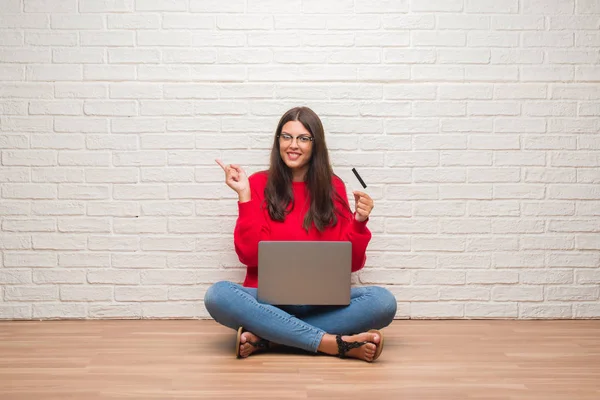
{"x": 171, "y": 359}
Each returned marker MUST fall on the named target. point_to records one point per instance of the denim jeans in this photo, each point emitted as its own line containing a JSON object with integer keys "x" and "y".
{"x": 303, "y": 327}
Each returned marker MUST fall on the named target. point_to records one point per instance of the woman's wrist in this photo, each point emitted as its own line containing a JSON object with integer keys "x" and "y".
{"x": 244, "y": 196}
{"x": 360, "y": 218}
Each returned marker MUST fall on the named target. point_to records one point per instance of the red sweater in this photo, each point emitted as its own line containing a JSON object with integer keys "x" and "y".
{"x": 254, "y": 224}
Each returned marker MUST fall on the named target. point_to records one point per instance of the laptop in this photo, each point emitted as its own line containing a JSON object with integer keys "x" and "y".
{"x": 304, "y": 273}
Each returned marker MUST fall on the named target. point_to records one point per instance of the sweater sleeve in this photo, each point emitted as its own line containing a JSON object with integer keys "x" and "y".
{"x": 251, "y": 227}
{"x": 354, "y": 231}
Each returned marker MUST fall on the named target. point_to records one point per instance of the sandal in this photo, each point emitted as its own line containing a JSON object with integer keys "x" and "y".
{"x": 260, "y": 344}
{"x": 344, "y": 347}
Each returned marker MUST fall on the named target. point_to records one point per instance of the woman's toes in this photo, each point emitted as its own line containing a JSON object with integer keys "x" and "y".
{"x": 371, "y": 348}
{"x": 374, "y": 338}
{"x": 245, "y": 347}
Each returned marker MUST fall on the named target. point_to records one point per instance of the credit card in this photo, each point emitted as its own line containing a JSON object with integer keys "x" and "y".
{"x": 359, "y": 178}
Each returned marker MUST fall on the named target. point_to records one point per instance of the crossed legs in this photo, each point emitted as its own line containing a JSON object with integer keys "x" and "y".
{"x": 311, "y": 328}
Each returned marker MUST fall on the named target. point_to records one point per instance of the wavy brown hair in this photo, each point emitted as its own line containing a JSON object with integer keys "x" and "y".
{"x": 278, "y": 192}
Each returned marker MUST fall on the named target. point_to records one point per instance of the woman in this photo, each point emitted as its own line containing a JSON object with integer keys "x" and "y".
{"x": 299, "y": 198}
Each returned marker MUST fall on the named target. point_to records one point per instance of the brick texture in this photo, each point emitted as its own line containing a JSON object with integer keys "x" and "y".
{"x": 474, "y": 122}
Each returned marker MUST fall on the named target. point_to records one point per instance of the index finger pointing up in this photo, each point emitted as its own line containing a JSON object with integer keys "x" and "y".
{"x": 221, "y": 164}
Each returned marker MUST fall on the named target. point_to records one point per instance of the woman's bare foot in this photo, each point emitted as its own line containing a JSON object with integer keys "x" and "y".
{"x": 246, "y": 348}
{"x": 365, "y": 352}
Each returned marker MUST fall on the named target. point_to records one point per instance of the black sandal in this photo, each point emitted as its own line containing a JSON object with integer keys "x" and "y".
{"x": 344, "y": 347}
{"x": 261, "y": 344}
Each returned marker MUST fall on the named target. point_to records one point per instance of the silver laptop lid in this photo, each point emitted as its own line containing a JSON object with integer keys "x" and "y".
{"x": 304, "y": 272}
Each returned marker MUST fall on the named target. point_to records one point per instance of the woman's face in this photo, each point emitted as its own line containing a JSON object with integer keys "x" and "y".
{"x": 295, "y": 148}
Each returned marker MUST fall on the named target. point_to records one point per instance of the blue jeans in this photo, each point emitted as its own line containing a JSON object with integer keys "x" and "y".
{"x": 303, "y": 327}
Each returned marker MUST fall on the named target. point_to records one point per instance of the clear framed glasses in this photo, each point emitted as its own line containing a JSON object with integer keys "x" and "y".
{"x": 302, "y": 139}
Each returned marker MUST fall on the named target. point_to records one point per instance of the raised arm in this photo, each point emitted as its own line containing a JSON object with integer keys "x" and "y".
{"x": 354, "y": 225}
{"x": 251, "y": 225}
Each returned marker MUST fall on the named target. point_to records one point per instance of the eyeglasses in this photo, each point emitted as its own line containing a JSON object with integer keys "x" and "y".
{"x": 303, "y": 139}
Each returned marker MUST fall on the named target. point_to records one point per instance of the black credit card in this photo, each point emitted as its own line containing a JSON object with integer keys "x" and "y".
{"x": 359, "y": 178}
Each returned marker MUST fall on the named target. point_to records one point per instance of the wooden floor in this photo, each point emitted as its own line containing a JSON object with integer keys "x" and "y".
{"x": 446, "y": 360}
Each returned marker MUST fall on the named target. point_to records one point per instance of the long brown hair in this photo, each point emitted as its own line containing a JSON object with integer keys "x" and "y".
{"x": 278, "y": 192}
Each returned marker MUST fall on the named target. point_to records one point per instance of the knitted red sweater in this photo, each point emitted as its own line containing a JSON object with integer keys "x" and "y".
{"x": 254, "y": 224}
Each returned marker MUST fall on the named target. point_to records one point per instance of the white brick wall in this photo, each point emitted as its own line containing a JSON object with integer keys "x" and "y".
{"x": 475, "y": 122}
